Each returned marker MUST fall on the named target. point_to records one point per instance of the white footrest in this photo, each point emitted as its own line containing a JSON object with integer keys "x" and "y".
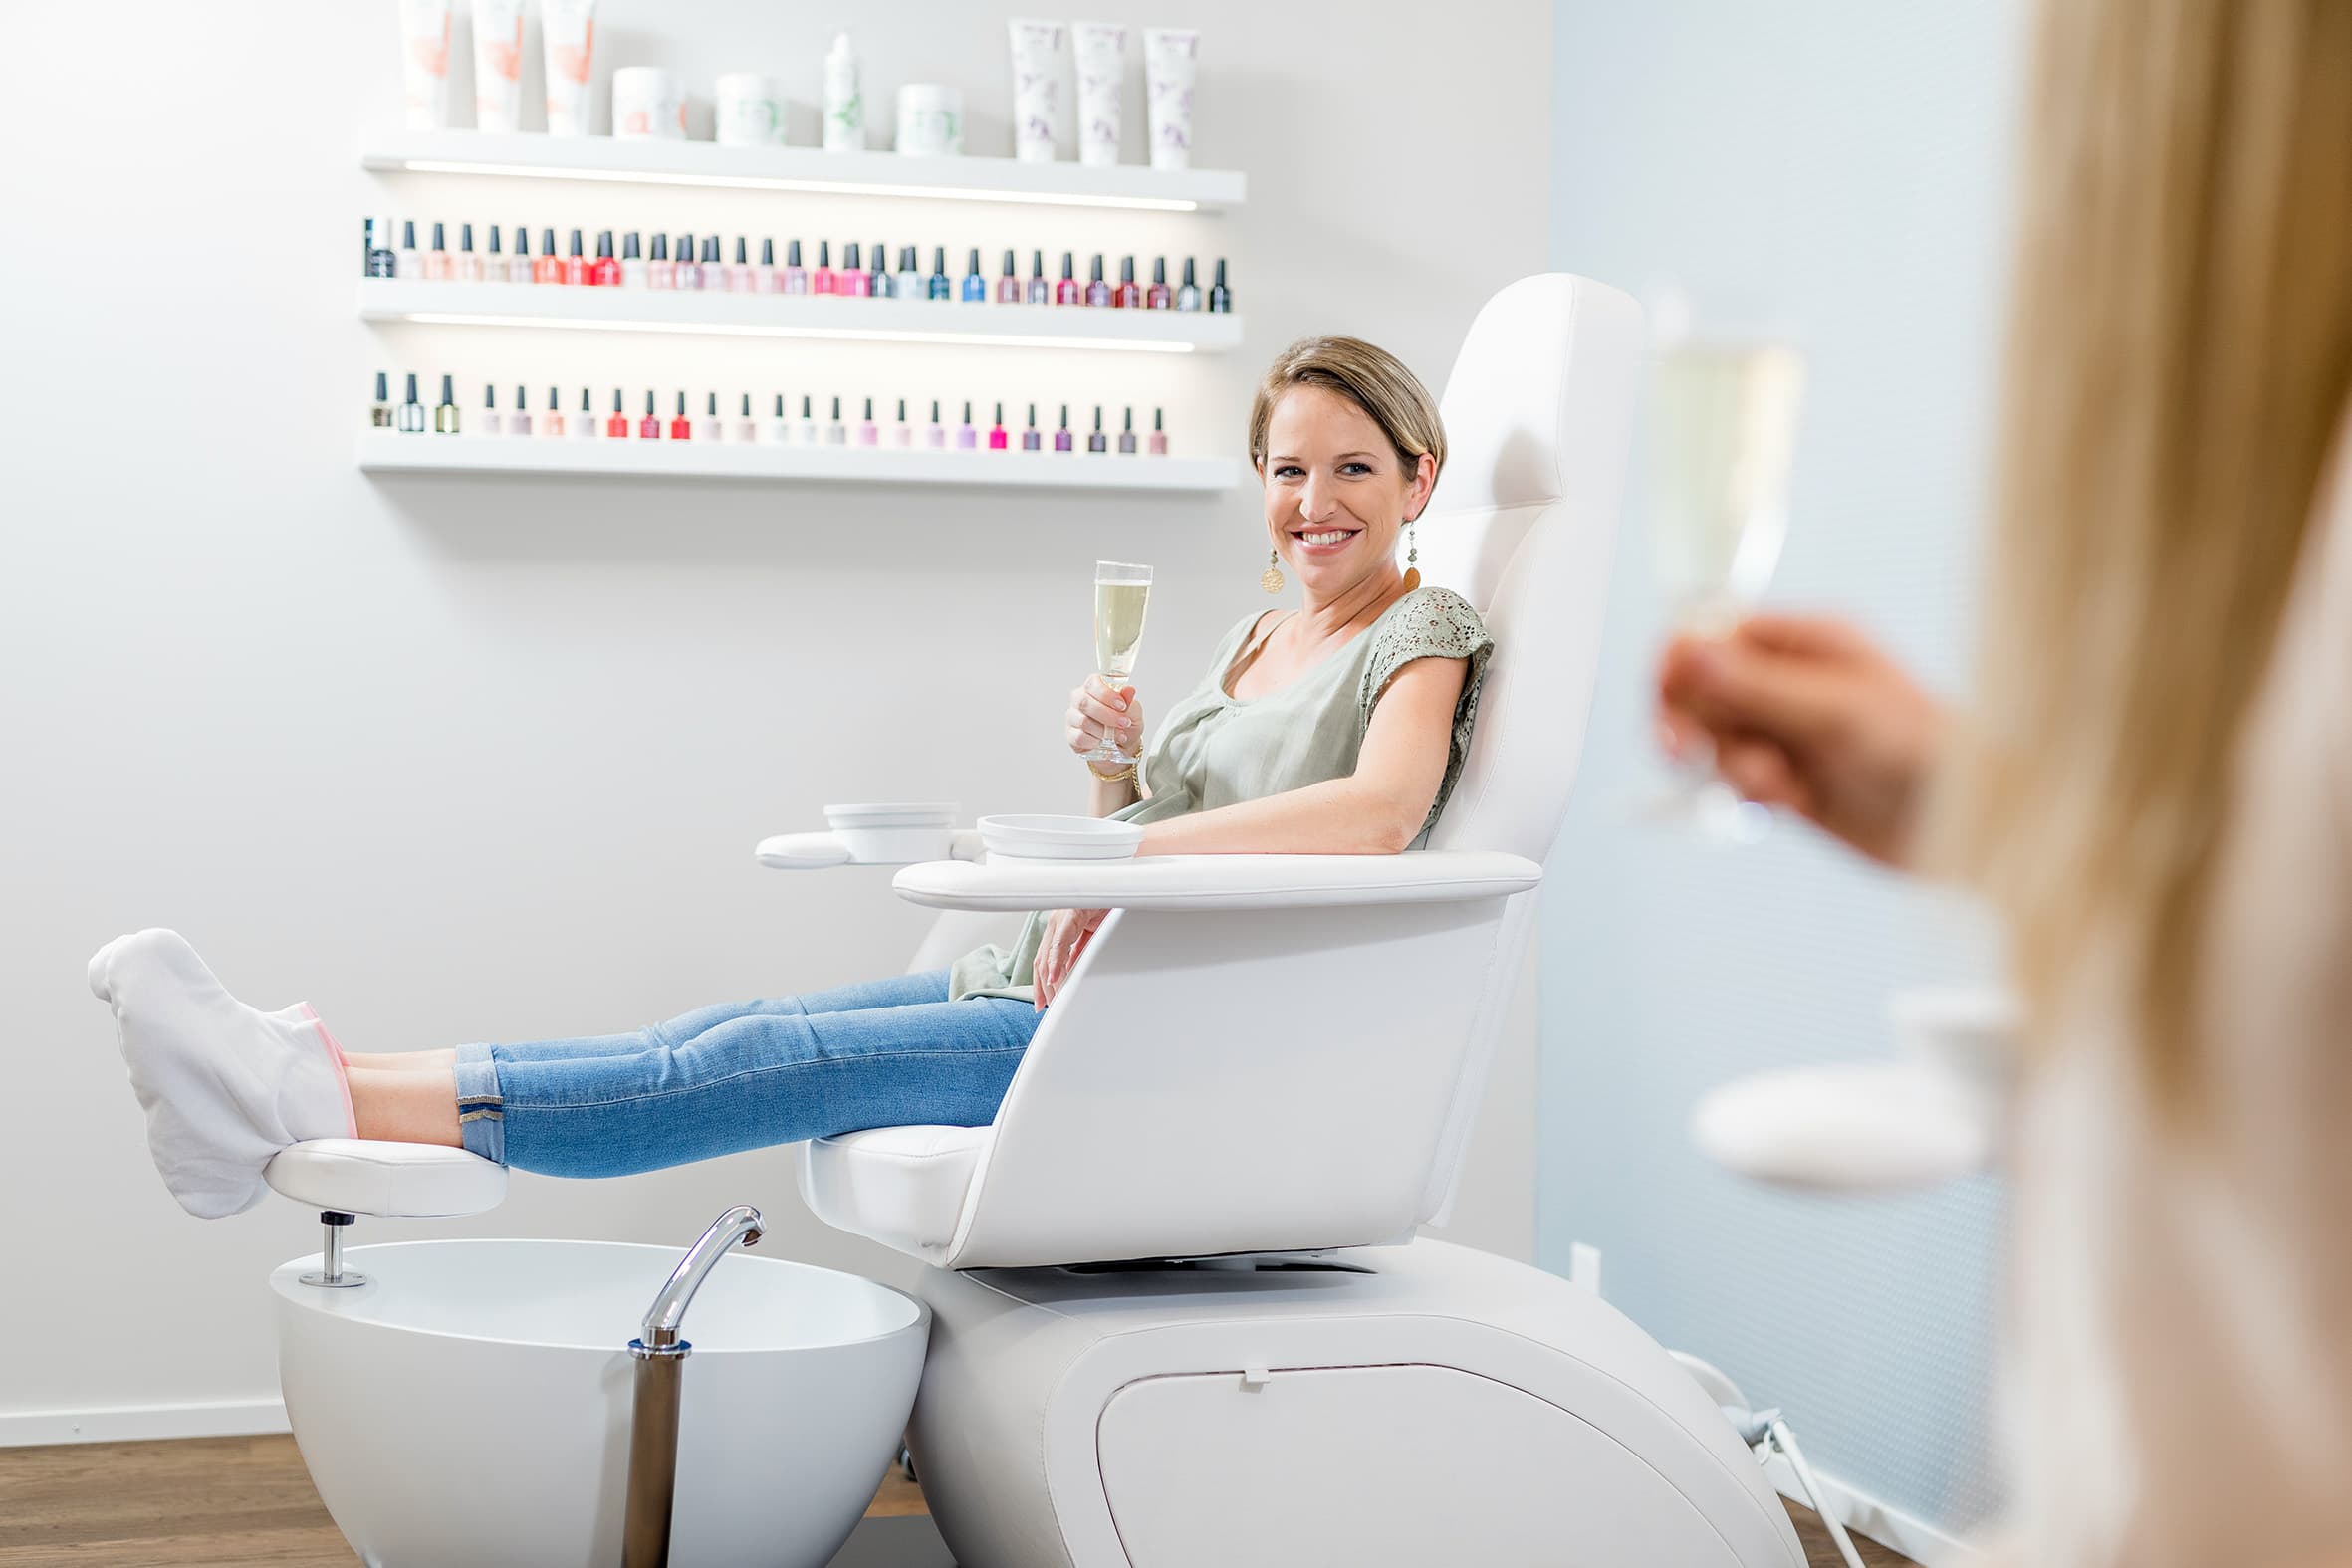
{"x": 816, "y": 851}
{"x": 403, "y": 1180}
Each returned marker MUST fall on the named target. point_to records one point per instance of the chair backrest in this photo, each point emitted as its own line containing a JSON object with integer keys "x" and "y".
{"x": 1537, "y": 413}
{"x": 1235, "y": 1083}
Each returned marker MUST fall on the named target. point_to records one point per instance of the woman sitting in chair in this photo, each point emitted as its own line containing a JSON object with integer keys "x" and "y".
{"x": 1339, "y": 729}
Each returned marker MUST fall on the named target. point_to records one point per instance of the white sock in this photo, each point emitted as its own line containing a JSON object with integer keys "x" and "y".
{"x": 225, "y": 1086}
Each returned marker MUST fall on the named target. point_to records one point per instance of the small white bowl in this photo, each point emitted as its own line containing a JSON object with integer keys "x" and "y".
{"x": 1034, "y": 837}
{"x": 894, "y": 834}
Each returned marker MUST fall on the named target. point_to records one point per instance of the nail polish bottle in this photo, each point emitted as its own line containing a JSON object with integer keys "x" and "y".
{"x": 1157, "y": 446}
{"x": 1127, "y": 436}
{"x": 739, "y": 278}
{"x": 660, "y": 271}
{"x": 902, "y": 434}
{"x": 997, "y": 440}
{"x": 1188, "y": 298}
{"x": 778, "y": 430}
{"x": 552, "y": 423}
{"x": 1096, "y": 441}
{"x": 746, "y": 430}
{"x": 689, "y": 271}
{"x": 649, "y": 427}
{"x": 825, "y": 280}
{"x": 518, "y": 269}
{"x": 1067, "y": 292}
{"x": 1129, "y": 297}
{"x": 682, "y": 428}
{"x": 576, "y": 264}
{"x": 520, "y": 424}
{"x": 437, "y": 266}
{"x": 766, "y": 280}
{"x": 583, "y": 423}
{"x": 878, "y": 282}
{"x": 1061, "y": 436}
{"x": 713, "y": 272}
{"x": 1158, "y": 297}
{"x": 1031, "y": 440}
{"x": 910, "y": 276}
{"x": 633, "y": 265}
{"x": 410, "y": 419}
{"x": 967, "y": 438}
{"x": 494, "y": 264}
{"x": 381, "y": 262}
{"x": 1040, "y": 291}
{"x": 869, "y": 433}
{"x": 935, "y": 433}
{"x": 469, "y": 264}
{"x": 937, "y": 286}
{"x": 616, "y": 428}
{"x": 708, "y": 428}
{"x": 489, "y": 426}
{"x": 1220, "y": 297}
{"x": 409, "y": 264}
{"x": 975, "y": 285}
{"x": 796, "y": 275}
{"x": 1097, "y": 292}
{"x": 805, "y": 432}
{"x": 445, "y": 417}
{"x": 854, "y": 281}
{"x": 605, "y": 273}
{"x": 547, "y": 268}
{"x": 379, "y": 413}
{"x": 837, "y": 433}
{"x": 1009, "y": 285}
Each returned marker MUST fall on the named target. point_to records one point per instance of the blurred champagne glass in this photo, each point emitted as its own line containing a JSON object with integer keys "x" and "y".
{"x": 1122, "y": 591}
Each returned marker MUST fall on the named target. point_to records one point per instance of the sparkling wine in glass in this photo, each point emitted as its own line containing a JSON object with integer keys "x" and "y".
{"x": 1121, "y": 592}
{"x": 1723, "y": 437}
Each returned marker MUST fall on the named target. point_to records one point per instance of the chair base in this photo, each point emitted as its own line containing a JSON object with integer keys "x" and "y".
{"x": 1400, "y": 1404}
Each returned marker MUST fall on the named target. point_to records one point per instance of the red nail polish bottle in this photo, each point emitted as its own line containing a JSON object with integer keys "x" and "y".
{"x": 616, "y": 428}
{"x": 649, "y": 427}
{"x": 682, "y": 428}
{"x": 545, "y": 268}
{"x": 576, "y": 267}
{"x": 606, "y": 273}
{"x": 1129, "y": 297}
{"x": 1159, "y": 297}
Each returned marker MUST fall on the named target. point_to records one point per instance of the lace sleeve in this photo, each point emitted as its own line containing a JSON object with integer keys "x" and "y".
{"x": 1439, "y": 625}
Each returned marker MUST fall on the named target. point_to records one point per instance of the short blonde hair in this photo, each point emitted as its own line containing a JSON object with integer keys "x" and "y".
{"x": 1373, "y": 380}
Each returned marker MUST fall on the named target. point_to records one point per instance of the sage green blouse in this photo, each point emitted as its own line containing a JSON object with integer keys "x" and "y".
{"x": 1215, "y": 749}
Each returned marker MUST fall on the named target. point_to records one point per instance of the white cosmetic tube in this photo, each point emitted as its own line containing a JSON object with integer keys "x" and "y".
{"x": 647, "y": 105}
{"x": 750, "y": 110}
{"x": 497, "y": 65}
{"x": 1036, "y": 89}
{"x": 1169, "y": 55}
{"x": 1102, "y": 63}
{"x": 425, "y": 61}
{"x": 567, "y": 31}
{"x": 930, "y": 120}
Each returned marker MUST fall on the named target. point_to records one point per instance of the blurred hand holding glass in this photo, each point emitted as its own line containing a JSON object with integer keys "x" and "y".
{"x": 1122, "y": 591}
{"x": 1723, "y": 434}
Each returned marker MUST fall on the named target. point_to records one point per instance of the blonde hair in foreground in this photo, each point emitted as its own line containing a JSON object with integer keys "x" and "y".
{"x": 2179, "y": 354}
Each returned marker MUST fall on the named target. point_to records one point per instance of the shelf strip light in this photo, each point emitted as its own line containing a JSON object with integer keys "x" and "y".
{"x": 818, "y": 186}
{"x": 743, "y": 330}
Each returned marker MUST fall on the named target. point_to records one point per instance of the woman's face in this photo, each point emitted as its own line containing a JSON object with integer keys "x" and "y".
{"x": 1336, "y": 495}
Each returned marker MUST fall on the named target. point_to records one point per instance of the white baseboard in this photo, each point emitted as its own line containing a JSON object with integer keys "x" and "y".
{"x": 142, "y": 1422}
{"x": 1884, "y": 1524}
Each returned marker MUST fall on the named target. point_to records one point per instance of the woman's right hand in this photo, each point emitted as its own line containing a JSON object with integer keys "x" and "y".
{"x": 1807, "y": 714}
{"x": 1098, "y": 709}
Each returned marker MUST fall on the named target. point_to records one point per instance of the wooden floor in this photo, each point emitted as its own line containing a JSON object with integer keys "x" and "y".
{"x": 248, "y": 1502}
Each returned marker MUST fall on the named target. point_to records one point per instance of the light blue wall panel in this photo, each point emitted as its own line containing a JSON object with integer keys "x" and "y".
{"x": 1844, "y": 165}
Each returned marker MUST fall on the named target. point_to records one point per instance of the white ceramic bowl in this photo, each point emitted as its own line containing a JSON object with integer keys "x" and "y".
{"x": 1034, "y": 837}
{"x": 470, "y": 1404}
{"x": 888, "y": 833}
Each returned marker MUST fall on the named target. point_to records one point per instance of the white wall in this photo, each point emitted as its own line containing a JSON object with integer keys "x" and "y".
{"x": 484, "y": 760}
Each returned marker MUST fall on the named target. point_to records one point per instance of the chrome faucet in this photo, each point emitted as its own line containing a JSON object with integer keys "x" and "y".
{"x": 661, "y": 1364}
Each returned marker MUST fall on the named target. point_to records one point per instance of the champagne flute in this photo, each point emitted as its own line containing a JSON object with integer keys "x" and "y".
{"x": 1723, "y": 436}
{"x": 1121, "y": 592}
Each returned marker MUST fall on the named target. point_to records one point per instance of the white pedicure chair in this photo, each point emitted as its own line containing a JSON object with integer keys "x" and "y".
{"x": 1258, "y": 1080}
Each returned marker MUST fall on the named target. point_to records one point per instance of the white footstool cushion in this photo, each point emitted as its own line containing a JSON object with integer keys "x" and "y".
{"x": 407, "y": 1181}
{"x": 903, "y": 1187}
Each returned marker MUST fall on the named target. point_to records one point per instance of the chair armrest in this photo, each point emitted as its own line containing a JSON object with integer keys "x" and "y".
{"x": 815, "y": 851}
{"x": 1213, "y": 882}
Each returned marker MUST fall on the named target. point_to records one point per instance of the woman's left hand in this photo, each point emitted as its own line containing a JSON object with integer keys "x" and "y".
{"x": 1068, "y": 931}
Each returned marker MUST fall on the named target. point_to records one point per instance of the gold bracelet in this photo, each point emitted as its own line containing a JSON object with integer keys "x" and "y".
{"x": 1121, "y": 776}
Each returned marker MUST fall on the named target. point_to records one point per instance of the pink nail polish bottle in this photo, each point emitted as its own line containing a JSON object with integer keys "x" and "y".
{"x": 1157, "y": 444}
{"x": 436, "y": 262}
{"x": 869, "y": 433}
{"x": 469, "y": 264}
{"x": 825, "y": 280}
{"x": 997, "y": 440}
{"x": 967, "y": 437}
{"x": 935, "y": 433}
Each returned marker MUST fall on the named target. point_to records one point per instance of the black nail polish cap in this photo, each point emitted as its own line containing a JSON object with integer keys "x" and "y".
{"x": 585, "y": 411}
{"x": 967, "y": 410}
{"x": 1219, "y": 282}
{"x": 1000, "y": 415}
{"x": 780, "y": 405}
{"x": 604, "y": 245}
{"x": 1098, "y": 278}
{"x": 1033, "y": 415}
{"x": 824, "y": 253}
{"x": 747, "y": 405}
{"x": 935, "y": 410}
{"x": 1036, "y": 264}
{"x": 384, "y": 390}
{"x": 1097, "y": 416}
{"x": 939, "y": 258}
{"x": 494, "y": 239}
{"x": 1188, "y": 281}
{"x": 712, "y": 407}
{"x": 628, "y": 248}
{"x": 685, "y": 247}
{"x": 710, "y": 250}
{"x": 1131, "y": 419}
{"x": 1159, "y": 270}
{"x": 1155, "y": 419}
{"x": 489, "y": 397}
{"x": 523, "y": 399}
{"x": 902, "y": 410}
{"x": 681, "y": 405}
{"x": 837, "y": 410}
{"x": 881, "y": 257}
{"x": 445, "y": 391}
{"x": 407, "y": 234}
{"x": 767, "y": 253}
{"x": 522, "y": 240}
{"x": 803, "y": 406}
{"x": 575, "y": 250}
{"x": 616, "y": 399}
{"x": 1126, "y": 269}
{"x": 661, "y": 248}
{"x": 1065, "y": 266}
{"x": 1065, "y": 416}
{"x": 437, "y": 236}
{"x": 412, "y": 386}
{"x": 551, "y": 405}
{"x": 974, "y": 264}
{"x": 1010, "y": 269}
{"x": 792, "y": 253}
{"x": 648, "y": 402}
{"x": 851, "y": 260}
{"x": 547, "y": 242}
{"x": 465, "y": 236}
{"x": 741, "y": 259}
{"x": 870, "y": 410}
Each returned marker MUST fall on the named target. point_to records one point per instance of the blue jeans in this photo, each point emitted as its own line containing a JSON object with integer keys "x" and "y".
{"x": 744, "y": 1075}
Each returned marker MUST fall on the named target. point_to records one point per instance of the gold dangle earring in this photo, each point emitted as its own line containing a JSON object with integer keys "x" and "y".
{"x": 1272, "y": 579}
{"x": 1412, "y": 555}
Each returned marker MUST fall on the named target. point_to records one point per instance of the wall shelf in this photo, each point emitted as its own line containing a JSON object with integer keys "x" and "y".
{"x": 387, "y": 453}
{"x": 797, "y": 316}
{"x": 1061, "y": 184}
